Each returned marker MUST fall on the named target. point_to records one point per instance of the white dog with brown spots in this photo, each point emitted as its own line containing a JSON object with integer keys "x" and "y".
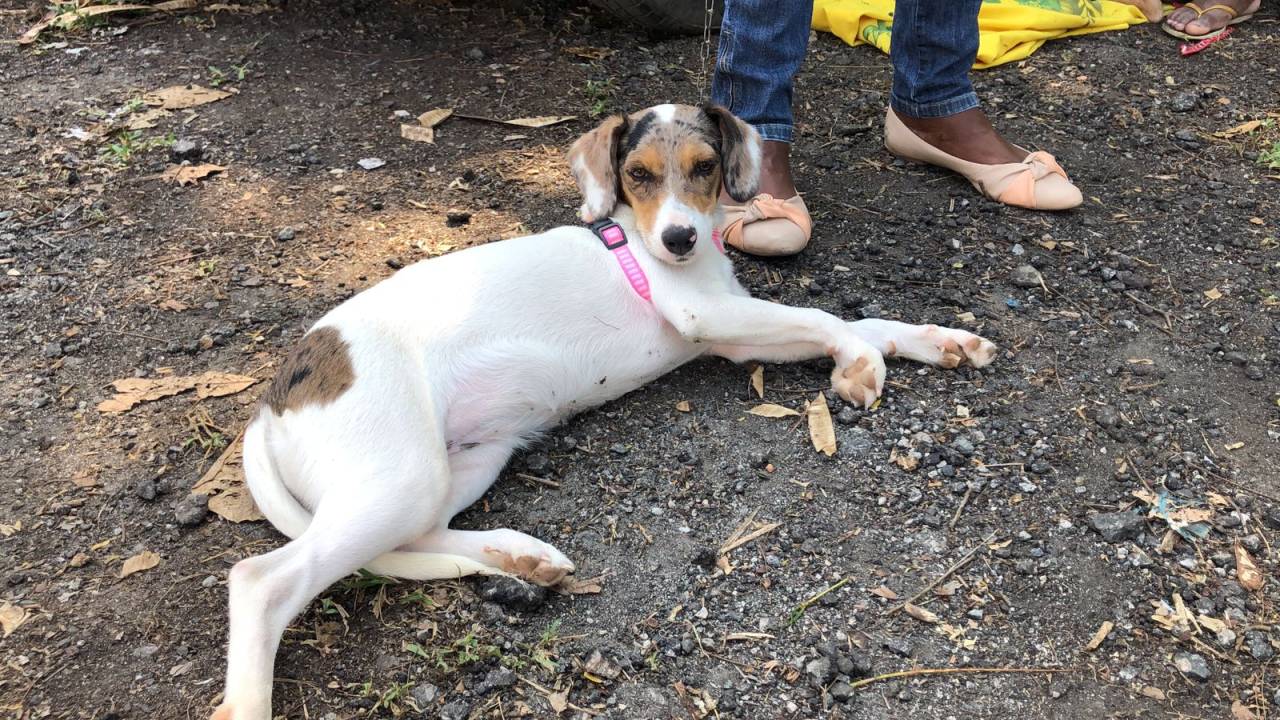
{"x": 401, "y": 406}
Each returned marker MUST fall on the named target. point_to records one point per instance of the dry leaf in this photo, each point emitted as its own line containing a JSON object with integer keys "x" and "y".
{"x": 885, "y": 593}
{"x": 236, "y": 505}
{"x": 821, "y": 431}
{"x": 146, "y": 119}
{"x": 70, "y": 18}
{"x": 589, "y": 53}
{"x": 770, "y": 410}
{"x": 920, "y": 613}
{"x": 1154, "y": 693}
{"x": 757, "y": 381}
{"x": 179, "y": 97}
{"x": 541, "y": 121}
{"x": 1241, "y": 129}
{"x": 432, "y": 118}
{"x": 1247, "y": 573}
{"x": 173, "y": 305}
{"x": 142, "y": 561}
{"x": 1239, "y": 711}
{"x": 189, "y": 174}
{"x": 1213, "y": 293}
{"x": 559, "y": 701}
{"x": 722, "y": 562}
{"x": 684, "y": 406}
{"x": 948, "y": 589}
{"x": 1100, "y": 636}
{"x": 86, "y": 478}
{"x": 417, "y": 133}
{"x": 12, "y": 617}
{"x": 132, "y": 391}
{"x": 906, "y": 461}
{"x": 573, "y": 586}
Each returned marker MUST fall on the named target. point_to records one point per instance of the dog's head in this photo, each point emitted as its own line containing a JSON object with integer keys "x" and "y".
{"x": 668, "y": 163}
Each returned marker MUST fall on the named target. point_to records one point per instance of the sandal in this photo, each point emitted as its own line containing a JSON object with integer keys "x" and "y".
{"x": 1038, "y": 182}
{"x": 768, "y": 226}
{"x": 1235, "y": 18}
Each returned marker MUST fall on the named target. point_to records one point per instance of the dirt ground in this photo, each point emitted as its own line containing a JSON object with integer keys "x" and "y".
{"x": 1140, "y": 375}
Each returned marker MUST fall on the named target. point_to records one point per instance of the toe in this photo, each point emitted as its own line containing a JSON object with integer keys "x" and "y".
{"x": 980, "y": 351}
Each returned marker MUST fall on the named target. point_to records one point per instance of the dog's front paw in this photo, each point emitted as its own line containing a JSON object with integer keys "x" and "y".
{"x": 959, "y": 346}
{"x": 861, "y": 381}
{"x": 533, "y": 560}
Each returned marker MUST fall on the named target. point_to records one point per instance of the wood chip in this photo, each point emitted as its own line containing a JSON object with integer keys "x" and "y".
{"x": 432, "y": 118}
{"x": 1154, "y": 693}
{"x": 142, "y": 561}
{"x": 757, "y": 381}
{"x": 821, "y": 431}
{"x": 417, "y": 133}
{"x": 684, "y": 406}
{"x": 1100, "y": 636}
{"x": 920, "y": 613}
{"x": 1247, "y": 573}
{"x": 884, "y": 592}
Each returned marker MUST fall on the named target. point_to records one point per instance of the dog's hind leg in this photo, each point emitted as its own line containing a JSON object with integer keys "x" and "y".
{"x": 931, "y": 344}
{"x": 354, "y": 523}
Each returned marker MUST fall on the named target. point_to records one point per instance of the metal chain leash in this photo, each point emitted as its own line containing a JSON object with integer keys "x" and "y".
{"x": 708, "y": 17}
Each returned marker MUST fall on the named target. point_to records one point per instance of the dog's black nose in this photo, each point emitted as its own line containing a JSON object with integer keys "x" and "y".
{"x": 679, "y": 240}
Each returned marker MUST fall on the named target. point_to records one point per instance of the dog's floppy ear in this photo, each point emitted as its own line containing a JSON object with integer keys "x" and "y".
{"x": 593, "y": 159}
{"x": 740, "y": 150}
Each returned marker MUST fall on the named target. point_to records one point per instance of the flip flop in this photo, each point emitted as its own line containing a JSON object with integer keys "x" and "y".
{"x": 1236, "y": 18}
{"x": 768, "y": 226}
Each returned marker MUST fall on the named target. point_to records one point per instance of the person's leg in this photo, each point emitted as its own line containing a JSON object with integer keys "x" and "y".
{"x": 933, "y": 48}
{"x": 762, "y": 44}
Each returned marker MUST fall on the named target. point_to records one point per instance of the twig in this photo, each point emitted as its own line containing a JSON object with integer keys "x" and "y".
{"x": 1167, "y": 320}
{"x": 799, "y": 609}
{"x": 749, "y": 537}
{"x": 959, "y": 564}
{"x": 538, "y": 480}
{"x": 968, "y": 491}
{"x": 956, "y": 671}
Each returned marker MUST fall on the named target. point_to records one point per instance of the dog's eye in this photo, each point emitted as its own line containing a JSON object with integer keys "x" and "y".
{"x": 640, "y": 175}
{"x": 703, "y": 168}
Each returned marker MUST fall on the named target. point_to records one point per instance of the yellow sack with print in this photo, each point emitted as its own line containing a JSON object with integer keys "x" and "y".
{"x": 1009, "y": 30}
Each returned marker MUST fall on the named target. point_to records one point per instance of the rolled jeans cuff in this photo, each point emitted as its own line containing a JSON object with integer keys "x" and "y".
{"x": 776, "y": 132}
{"x": 943, "y": 108}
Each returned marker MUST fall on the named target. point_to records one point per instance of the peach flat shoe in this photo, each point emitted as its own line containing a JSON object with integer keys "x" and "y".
{"x": 1038, "y": 182}
{"x": 768, "y": 226}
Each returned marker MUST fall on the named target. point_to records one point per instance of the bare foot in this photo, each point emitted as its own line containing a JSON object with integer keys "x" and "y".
{"x": 1187, "y": 20}
{"x": 968, "y": 135}
{"x": 775, "y": 173}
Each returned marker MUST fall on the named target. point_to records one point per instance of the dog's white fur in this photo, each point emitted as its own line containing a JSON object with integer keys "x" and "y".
{"x": 460, "y": 360}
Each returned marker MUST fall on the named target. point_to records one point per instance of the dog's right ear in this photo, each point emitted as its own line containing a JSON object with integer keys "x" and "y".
{"x": 593, "y": 159}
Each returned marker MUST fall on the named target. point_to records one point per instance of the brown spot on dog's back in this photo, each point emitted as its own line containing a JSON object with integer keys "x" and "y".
{"x": 317, "y": 372}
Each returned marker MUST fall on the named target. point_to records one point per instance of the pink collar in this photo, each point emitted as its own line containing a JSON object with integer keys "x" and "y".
{"x": 615, "y": 241}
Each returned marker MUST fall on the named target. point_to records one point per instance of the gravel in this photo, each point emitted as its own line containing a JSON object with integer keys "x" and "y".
{"x": 1118, "y": 526}
{"x": 191, "y": 510}
{"x": 1193, "y": 666}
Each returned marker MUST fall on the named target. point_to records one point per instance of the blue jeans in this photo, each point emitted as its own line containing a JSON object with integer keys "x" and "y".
{"x": 763, "y": 43}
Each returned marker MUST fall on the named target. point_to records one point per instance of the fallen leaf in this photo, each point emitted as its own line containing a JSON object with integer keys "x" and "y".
{"x": 236, "y": 505}
{"x": 1239, "y": 711}
{"x": 173, "y": 305}
{"x": 146, "y": 119}
{"x": 559, "y": 701}
{"x": 417, "y": 133}
{"x": 432, "y": 118}
{"x": 884, "y": 592}
{"x": 770, "y": 410}
{"x": 12, "y": 617}
{"x": 948, "y": 589}
{"x": 1247, "y": 573}
{"x": 9, "y": 530}
{"x": 70, "y": 18}
{"x": 132, "y": 391}
{"x": 1257, "y": 221}
{"x": 86, "y": 478}
{"x": 189, "y": 174}
{"x": 1100, "y": 636}
{"x": 757, "y": 381}
{"x": 821, "y": 431}
{"x": 541, "y": 121}
{"x": 684, "y": 406}
{"x": 723, "y": 563}
{"x": 573, "y": 586}
{"x": 906, "y": 461}
{"x": 1213, "y": 624}
{"x": 1241, "y": 129}
{"x": 1213, "y": 293}
{"x": 589, "y": 53}
{"x": 180, "y": 97}
{"x": 920, "y": 613}
{"x": 142, "y": 561}
{"x": 1154, "y": 693}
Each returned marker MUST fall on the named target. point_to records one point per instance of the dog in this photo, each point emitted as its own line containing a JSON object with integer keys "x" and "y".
{"x": 400, "y": 407}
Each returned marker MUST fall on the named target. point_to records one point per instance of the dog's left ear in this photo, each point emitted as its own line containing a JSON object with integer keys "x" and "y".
{"x": 593, "y": 159}
{"x": 740, "y": 150}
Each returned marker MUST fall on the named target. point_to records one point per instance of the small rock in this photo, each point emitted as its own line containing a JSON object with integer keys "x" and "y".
{"x": 52, "y": 349}
{"x": 847, "y": 416}
{"x": 425, "y": 694}
{"x": 475, "y": 54}
{"x": 456, "y": 710}
{"x": 1106, "y": 416}
{"x": 1259, "y": 647}
{"x": 1226, "y": 638}
{"x": 1192, "y": 665}
{"x": 537, "y": 463}
{"x": 192, "y": 509}
{"x": 601, "y": 666}
{"x": 1236, "y": 358}
{"x": 963, "y": 445}
{"x": 1118, "y": 526}
{"x": 251, "y": 282}
{"x": 371, "y": 163}
{"x": 146, "y": 651}
{"x": 1254, "y": 372}
{"x": 1184, "y": 101}
{"x": 1133, "y": 280}
{"x": 1025, "y": 276}
{"x": 1272, "y": 517}
{"x": 619, "y": 449}
{"x": 897, "y": 646}
{"x": 147, "y": 490}
{"x": 286, "y": 234}
{"x": 457, "y": 218}
{"x": 819, "y": 670}
{"x": 338, "y": 190}
{"x": 512, "y": 593}
{"x": 184, "y": 149}
{"x": 497, "y": 678}
{"x": 841, "y": 691}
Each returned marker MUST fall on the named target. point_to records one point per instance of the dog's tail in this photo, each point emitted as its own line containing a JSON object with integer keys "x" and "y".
{"x": 290, "y": 517}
